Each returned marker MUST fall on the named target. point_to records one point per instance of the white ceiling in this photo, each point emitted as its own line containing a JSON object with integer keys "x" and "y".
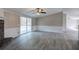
{"x": 27, "y": 11}
{"x": 74, "y": 12}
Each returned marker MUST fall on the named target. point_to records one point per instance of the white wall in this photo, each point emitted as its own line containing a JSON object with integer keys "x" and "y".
{"x": 72, "y": 27}
{"x": 34, "y": 24}
{"x": 11, "y": 24}
{"x": 52, "y": 23}
{"x": 72, "y": 23}
{"x": 1, "y": 12}
{"x": 11, "y": 32}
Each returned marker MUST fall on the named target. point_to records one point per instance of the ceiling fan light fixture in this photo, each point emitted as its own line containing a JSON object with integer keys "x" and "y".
{"x": 40, "y": 11}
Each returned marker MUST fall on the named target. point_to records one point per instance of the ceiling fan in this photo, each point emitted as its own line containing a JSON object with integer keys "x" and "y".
{"x": 38, "y": 11}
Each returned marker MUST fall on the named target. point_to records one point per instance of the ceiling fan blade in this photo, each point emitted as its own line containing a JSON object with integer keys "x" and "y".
{"x": 36, "y": 11}
{"x": 43, "y": 12}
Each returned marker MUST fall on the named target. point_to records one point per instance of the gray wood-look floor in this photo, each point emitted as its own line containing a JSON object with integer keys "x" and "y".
{"x": 43, "y": 41}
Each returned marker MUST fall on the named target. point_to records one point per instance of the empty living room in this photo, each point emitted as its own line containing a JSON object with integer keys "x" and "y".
{"x": 39, "y": 28}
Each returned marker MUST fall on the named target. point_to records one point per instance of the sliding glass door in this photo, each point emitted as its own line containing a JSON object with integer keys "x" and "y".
{"x": 28, "y": 25}
{"x": 25, "y": 25}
